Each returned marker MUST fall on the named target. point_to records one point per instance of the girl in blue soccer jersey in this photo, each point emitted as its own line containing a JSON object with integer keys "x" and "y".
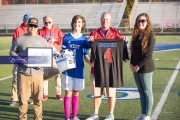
{"x": 73, "y": 79}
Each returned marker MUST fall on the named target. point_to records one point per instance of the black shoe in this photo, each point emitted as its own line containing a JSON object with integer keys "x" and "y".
{"x": 30, "y": 102}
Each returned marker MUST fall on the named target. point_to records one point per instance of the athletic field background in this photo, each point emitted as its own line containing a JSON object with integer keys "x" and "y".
{"x": 166, "y": 88}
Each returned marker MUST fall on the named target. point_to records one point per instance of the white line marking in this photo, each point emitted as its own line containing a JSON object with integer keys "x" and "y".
{"x": 4, "y": 50}
{"x": 164, "y": 96}
{"x": 167, "y": 50}
{"x": 5, "y": 78}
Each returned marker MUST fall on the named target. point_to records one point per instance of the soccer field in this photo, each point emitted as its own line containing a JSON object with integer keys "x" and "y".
{"x": 166, "y": 90}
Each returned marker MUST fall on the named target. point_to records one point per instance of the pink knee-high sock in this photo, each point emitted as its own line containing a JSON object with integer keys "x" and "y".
{"x": 67, "y": 104}
{"x": 75, "y": 104}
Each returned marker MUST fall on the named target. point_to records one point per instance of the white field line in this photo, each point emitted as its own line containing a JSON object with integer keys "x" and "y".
{"x": 167, "y": 50}
{"x": 164, "y": 96}
{"x": 4, "y": 50}
{"x": 5, "y": 78}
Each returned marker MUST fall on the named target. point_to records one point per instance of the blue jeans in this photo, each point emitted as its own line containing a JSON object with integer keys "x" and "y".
{"x": 144, "y": 84}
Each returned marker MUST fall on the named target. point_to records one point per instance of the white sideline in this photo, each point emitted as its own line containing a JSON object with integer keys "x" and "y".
{"x": 5, "y": 78}
{"x": 167, "y": 50}
{"x": 164, "y": 96}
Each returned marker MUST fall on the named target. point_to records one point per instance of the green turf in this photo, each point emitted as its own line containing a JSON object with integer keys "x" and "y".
{"x": 165, "y": 39}
{"x": 171, "y": 108}
{"x": 124, "y": 110}
{"x": 5, "y": 45}
{"x": 168, "y": 39}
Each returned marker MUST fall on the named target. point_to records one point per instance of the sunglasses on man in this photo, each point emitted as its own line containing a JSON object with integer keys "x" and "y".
{"x": 35, "y": 26}
{"x": 47, "y": 23}
{"x": 142, "y": 21}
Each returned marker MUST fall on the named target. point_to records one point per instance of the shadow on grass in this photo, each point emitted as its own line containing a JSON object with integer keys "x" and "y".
{"x": 101, "y": 118}
{"x": 52, "y": 98}
{"x": 4, "y": 102}
{"x": 11, "y": 113}
{"x": 60, "y": 116}
{"x": 5, "y": 94}
{"x": 8, "y": 113}
{"x": 49, "y": 115}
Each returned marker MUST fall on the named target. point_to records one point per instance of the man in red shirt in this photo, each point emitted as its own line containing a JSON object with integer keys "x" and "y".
{"x": 104, "y": 32}
{"x": 22, "y": 29}
{"x": 54, "y": 36}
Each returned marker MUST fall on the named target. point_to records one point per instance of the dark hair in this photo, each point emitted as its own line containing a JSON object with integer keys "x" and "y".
{"x": 75, "y": 18}
{"x": 146, "y": 33}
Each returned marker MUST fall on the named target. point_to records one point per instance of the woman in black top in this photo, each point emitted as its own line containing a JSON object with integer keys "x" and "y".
{"x": 141, "y": 64}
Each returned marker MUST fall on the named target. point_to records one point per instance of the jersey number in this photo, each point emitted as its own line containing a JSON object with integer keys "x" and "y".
{"x": 108, "y": 55}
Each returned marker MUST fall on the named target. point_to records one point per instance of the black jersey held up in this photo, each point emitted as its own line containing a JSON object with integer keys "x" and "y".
{"x": 108, "y": 55}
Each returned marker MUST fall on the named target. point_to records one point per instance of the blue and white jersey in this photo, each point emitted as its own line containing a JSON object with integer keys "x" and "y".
{"x": 79, "y": 46}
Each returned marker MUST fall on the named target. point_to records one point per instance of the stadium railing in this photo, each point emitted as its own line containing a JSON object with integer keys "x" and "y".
{"x": 164, "y": 15}
{"x": 11, "y": 15}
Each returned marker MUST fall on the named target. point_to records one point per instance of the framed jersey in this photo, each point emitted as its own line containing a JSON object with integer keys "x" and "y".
{"x": 108, "y": 56}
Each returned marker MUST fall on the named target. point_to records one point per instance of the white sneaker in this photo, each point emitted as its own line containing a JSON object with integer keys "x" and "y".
{"x": 109, "y": 117}
{"x": 146, "y": 118}
{"x": 13, "y": 103}
{"x": 75, "y": 118}
{"x": 140, "y": 117}
{"x": 93, "y": 117}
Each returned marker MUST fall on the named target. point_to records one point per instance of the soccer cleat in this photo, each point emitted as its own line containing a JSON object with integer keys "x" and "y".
{"x": 140, "y": 117}
{"x": 93, "y": 117}
{"x": 59, "y": 97}
{"x": 13, "y": 103}
{"x": 75, "y": 118}
{"x": 30, "y": 102}
{"x": 109, "y": 117}
{"x": 45, "y": 97}
{"x": 66, "y": 119}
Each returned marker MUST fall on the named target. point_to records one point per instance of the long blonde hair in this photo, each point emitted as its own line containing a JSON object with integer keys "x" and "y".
{"x": 146, "y": 33}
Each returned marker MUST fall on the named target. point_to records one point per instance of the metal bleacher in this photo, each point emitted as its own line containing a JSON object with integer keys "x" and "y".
{"x": 162, "y": 14}
{"x": 11, "y": 15}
